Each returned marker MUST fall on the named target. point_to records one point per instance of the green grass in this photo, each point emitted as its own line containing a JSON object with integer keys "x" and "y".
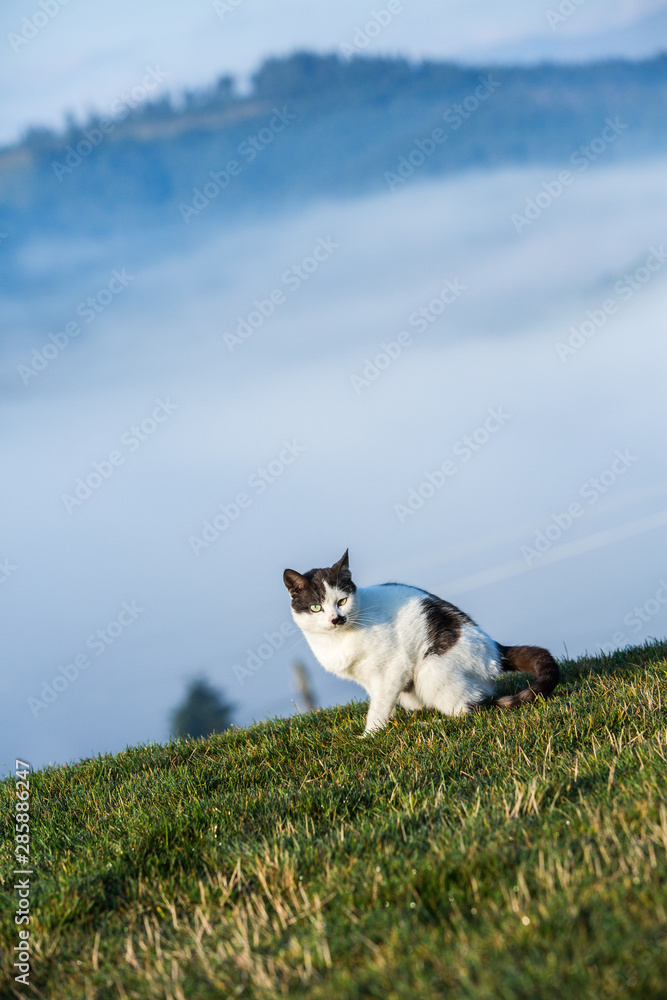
{"x": 501, "y": 855}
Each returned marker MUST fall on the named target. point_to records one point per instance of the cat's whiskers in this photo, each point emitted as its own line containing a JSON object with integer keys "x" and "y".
{"x": 362, "y": 620}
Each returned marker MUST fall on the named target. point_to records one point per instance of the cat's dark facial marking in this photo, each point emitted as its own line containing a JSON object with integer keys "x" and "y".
{"x": 314, "y": 588}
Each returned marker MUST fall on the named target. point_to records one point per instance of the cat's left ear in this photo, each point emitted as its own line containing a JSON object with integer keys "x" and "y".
{"x": 294, "y": 581}
{"x": 342, "y": 567}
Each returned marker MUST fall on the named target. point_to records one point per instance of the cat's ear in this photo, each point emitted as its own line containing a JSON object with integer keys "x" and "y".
{"x": 342, "y": 567}
{"x": 294, "y": 581}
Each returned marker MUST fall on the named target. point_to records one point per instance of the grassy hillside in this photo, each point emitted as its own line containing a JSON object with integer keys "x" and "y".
{"x": 506, "y": 855}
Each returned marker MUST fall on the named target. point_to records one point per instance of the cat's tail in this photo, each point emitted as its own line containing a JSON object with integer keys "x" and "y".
{"x": 529, "y": 660}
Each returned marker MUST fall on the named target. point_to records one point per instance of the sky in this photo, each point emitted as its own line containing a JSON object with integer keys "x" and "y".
{"x": 86, "y": 54}
{"x": 348, "y": 445}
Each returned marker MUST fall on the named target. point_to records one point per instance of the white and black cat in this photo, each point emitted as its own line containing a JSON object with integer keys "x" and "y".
{"x": 404, "y": 645}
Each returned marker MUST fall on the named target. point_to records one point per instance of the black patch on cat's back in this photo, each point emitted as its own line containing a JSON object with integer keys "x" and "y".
{"x": 443, "y": 624}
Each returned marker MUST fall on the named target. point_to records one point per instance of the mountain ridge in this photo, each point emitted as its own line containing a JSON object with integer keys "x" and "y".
{"x": 347, "y": 126}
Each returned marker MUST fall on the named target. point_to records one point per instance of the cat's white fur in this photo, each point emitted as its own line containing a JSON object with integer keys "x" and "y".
{"x": 383, "y": 647}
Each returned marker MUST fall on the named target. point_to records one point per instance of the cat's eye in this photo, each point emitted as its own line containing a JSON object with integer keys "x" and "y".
{"x": 315, "y": 607}
{"x": 342, "y": 601}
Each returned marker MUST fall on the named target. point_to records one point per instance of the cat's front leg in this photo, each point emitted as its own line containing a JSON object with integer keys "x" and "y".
{"x": 384, "y": 696}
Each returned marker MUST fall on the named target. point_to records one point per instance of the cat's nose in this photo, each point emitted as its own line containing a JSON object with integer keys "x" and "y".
{"x": 338, "y": 620}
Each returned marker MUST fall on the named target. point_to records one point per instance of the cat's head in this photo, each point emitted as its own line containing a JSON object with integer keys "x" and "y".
{"x": 323, "y": 600}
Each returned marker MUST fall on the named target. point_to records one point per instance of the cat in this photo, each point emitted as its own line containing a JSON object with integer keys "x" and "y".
{"x": 406, "y": 646}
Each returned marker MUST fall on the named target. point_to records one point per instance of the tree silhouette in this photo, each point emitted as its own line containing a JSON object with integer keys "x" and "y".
{"x": 202, "y": 712}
